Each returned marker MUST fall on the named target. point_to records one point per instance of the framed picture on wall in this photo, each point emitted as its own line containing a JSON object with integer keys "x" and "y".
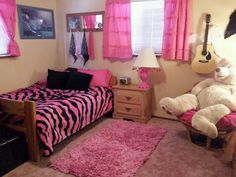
{"x": 35, "y": 23}
{"x": 73, "y": 22}
{"x": 77, "y": 21}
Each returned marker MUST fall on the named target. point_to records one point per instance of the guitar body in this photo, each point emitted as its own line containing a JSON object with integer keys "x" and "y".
{"x": 205, "y": 60}
{"x": 204, "y": 63}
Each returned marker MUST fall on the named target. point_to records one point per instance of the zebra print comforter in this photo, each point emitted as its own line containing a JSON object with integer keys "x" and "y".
{"x": 61, "y": 113}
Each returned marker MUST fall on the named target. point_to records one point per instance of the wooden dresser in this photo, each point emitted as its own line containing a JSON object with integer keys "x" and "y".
{"x": 132, "y": 103}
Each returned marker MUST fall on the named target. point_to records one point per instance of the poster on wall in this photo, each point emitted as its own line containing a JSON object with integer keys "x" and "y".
{"x": 73, "y": 22}
{"x": 89, "y": 21}
{"x": 35, "y": 23}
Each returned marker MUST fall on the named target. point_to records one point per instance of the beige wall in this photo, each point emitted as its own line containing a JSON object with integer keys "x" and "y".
{"x": 175, "y": 78}
{"x": 36, "y": 56}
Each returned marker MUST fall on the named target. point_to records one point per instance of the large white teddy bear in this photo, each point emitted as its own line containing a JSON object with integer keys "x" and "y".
{"x": 213, "y": 98}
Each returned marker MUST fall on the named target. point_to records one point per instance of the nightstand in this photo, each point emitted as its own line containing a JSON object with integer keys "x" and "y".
{"x": 132, "y": 103}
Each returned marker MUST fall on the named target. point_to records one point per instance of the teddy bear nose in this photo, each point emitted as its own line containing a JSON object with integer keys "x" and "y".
{"x": 217, "y": 69}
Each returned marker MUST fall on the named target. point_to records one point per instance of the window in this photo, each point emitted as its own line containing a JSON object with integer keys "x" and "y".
{"x": 147, "y": 20}
{"x": 4, "y": 39}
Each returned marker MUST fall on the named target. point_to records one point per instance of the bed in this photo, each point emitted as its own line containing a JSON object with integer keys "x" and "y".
{"x": 48, "y": 116}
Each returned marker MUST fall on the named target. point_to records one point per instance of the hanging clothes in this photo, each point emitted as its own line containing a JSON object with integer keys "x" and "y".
{"x": 84, "y": 49}
{"x": 89, "y": 23}
{"x": 78, "y": 42}
{"x": 72, "y": 49}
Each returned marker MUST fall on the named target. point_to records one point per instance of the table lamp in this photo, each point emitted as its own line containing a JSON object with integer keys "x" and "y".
{"x": 144, "y": 64}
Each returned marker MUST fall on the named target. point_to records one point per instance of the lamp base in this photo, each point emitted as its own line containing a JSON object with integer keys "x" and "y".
{"x": 144, "y": 78}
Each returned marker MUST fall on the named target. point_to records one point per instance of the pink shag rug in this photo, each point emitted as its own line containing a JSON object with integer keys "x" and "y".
{"x": 117, "y": 150}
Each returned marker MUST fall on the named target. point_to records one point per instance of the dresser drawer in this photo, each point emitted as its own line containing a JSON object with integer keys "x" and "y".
{"x": 128, "y": 97}
{"x": 128, "y": 109}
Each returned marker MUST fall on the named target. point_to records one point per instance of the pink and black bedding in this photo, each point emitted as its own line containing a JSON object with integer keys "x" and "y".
{"x": 61, "y": 113}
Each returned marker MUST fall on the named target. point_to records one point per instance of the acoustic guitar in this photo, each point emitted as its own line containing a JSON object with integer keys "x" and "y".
{"x": 205, "y": 59}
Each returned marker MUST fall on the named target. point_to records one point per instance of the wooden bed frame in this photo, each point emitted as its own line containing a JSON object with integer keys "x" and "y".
{"x": 27, "y": 110}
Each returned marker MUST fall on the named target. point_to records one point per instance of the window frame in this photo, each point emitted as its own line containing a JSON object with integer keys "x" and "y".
{"x": 3, "y": 55}
{"x": 158, "y": 54}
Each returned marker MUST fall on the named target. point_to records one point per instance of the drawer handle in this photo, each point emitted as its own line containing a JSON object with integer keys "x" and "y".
{"x": 128, "y": 109}
{"x": 128, "y": 98}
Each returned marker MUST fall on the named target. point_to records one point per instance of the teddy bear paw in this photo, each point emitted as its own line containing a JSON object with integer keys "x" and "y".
{"x": 212, "y": 131}
{"x": 166, "y": 109}
{"x": 205, "y": 126}
{"x": 168, "y": 105}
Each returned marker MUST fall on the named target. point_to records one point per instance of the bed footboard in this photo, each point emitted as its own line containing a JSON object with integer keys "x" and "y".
{"x": 27, "y": 110}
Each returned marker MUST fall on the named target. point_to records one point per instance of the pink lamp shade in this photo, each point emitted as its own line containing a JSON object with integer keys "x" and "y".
{"x": 144, "y": 64}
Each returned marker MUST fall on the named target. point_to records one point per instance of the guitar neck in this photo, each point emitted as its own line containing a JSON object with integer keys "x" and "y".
{"x": 204, "y": 50}
{"x": 205, "y": 39}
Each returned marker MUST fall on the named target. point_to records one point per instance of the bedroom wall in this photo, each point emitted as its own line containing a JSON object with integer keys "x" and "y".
{"x": 174, "y": 78}
{"x": 36, "y": 56}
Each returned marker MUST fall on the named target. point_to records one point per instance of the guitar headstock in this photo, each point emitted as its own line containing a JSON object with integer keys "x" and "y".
{"x": 208, "y": 18}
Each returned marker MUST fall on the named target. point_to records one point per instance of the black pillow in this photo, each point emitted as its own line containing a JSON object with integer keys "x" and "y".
{"x": 79, "y": 81}
{"x": 70, "y": 69}
{"x": 57, "y": 79}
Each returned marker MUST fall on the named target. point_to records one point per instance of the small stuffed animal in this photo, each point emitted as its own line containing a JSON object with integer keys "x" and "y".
{"x": 213, "y": 98}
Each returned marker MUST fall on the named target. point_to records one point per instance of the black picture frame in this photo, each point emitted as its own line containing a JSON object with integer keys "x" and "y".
{"x": 75, "y": 22}
{"x": 35, "y": 23}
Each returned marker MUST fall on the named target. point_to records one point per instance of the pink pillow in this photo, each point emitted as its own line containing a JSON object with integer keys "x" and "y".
{"x": 101, "y": 77}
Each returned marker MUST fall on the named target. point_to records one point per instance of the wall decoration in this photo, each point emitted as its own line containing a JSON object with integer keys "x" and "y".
{"x": 89, "y": 21}
{"x": 231, "y": 27}
{"x": 35, "y": 23}
{"x": 73, "y": 22}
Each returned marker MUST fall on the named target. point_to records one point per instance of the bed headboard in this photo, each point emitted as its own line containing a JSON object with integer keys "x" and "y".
{"x": 113, "y": 80}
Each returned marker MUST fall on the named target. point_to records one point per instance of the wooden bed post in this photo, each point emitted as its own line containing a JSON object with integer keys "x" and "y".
{"x": 31, "y": 133}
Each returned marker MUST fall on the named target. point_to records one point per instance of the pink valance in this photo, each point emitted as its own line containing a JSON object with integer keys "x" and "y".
{"x": 8, "y": 14}
{"x": 176, "y": 30}
{"x": 117, "y": 30}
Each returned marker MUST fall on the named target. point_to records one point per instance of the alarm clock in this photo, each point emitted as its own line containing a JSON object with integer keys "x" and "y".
{"x": 124, "y": 80}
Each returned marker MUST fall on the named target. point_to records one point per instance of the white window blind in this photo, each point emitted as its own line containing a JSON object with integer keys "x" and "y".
{"x": 147, "y": 25}
{"x": 4, "y": 39}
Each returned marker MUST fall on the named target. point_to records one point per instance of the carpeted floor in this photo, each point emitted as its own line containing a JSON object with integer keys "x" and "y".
{"x": 175, "y": 156}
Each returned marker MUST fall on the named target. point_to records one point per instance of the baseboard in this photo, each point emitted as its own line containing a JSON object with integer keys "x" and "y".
{"x": 168, "y": 118}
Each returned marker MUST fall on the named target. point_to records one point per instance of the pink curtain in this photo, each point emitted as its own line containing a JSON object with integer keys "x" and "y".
{"x": 8, "y": 13}
{"x": 176, "y": 30}
{"x": 89, "y": 22}
{"x": 117, "y": 30}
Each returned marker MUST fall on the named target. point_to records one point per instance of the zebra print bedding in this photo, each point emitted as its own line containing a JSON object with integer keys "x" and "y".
{"x": 61, "y": 113}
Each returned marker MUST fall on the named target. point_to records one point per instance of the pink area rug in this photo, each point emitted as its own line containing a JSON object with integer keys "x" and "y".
{"x": 117, "y": 150}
